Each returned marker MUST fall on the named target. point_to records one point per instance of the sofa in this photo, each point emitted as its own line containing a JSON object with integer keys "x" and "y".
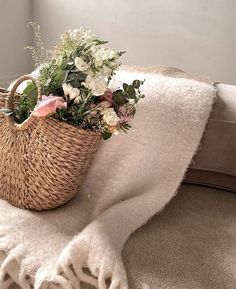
{"x": 192, "y": 243}
{"x": 215, "y": 162}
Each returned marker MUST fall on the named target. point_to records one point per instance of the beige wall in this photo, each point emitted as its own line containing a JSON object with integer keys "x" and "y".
{"x": 195, "y": 35}
{"x": 14, "y": 36}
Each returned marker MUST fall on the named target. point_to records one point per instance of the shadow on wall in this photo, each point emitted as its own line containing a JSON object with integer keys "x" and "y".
{"x": 14, "y": 35}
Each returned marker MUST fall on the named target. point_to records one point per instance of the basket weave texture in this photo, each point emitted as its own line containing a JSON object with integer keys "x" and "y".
{"x": 3, "y": 96}
{"x": 42, "y": 161}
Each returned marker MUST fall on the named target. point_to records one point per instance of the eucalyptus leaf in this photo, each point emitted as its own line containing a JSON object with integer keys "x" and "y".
{"x": 119, "y": 97}
{"x": 131, "y": 91}
{"x": 71, "y": 76}
{"x": 106, "y": 135}
{"x": 136, "y": 84}
{"x": 125, "y": 86}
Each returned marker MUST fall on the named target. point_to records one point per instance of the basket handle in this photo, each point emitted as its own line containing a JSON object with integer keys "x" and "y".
{"x": 11, "y": 96}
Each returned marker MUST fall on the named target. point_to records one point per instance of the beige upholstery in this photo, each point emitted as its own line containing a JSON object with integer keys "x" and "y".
{"x": 217, "y": 153}
{"x": 189, "y": 245}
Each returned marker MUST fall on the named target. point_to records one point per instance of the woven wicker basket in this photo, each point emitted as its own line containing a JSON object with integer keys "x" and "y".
{"x": 42, "y": 161}
{"x": 3, "y": 95}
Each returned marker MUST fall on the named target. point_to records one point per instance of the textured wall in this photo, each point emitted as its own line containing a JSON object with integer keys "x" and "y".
{"x": 14, "y": 36}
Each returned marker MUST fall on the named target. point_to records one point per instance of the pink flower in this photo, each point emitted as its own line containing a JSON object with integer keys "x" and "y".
{"x": 108, "y": 96}
{"x": 48, "y": 105}
{"x": 124, "y": 115}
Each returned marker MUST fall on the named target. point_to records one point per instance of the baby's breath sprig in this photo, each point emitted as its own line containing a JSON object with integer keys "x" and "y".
{"x": 38, "y": 51}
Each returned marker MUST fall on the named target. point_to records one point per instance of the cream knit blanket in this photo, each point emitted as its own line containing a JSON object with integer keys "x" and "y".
{"x": 132, "y": 178}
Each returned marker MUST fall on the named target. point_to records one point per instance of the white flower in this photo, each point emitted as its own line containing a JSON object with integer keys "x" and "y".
{"x": 79, "y": 35}
{"x": 105, "y": 71}
{"x": 71, "y": 93}
{"x": 103, "y": 54}
{"x": 110, "y": 53}
{"x": 81, "y": 64}
{"x": 75, "y": 92}
{"x": 110, "y": 117}
{"x": 114, "y": 84}
{"x": 66, "y": 88}
{"x": 74, "y": 34}
{"x": 97, "y": 85}
{"x": 77, "y": 99}
{"x": 98, "y": 57}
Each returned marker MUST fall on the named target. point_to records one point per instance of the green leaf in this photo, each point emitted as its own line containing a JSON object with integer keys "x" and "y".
{"x": 30, "y": 86}
{"x": 106, "y": 135}
{"x": 71, "y": 76}
{"x": 119, "y": 97}
{"x": 131, "y": 91}
{"x": 26, "y": 103}
{"x": 75, "y": 79}
{"x": 125, "y": 86}
{"x": 6, "y": 111}
{"x": 66, "y": 64}
{"x": 136, "y": 84}
{"x": 31, "y": 93}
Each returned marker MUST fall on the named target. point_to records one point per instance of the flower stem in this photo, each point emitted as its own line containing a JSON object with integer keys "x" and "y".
{"x": 85, "y": 101}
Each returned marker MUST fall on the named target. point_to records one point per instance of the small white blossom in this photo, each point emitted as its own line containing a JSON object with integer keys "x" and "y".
{"x": 74, "y": 34}
{"x": 97, "y": 85}
{"x": 103, "y": 54}
{"x": 81, "y": 64}
{"x": 66, "y": 88}
{"x": 80, "y": 35}
{"x": 105, "y": 71}
{"x": 77, "y": 34}
{"x": 131, "y": 101}
{"x": 65, "y": 36}
{"x": 110, "y": 117}
{"x": 77, "y": 99}
{"x": 71, "y": 93}
{"x": 75, "y": 92}
{"x": 114, "y": 84}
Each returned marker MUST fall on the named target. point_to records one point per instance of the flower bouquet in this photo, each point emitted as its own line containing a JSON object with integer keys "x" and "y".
{"x": 55, "y": 127}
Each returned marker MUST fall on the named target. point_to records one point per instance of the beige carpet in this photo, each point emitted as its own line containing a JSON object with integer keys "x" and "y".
{"x": 190, "y": 245}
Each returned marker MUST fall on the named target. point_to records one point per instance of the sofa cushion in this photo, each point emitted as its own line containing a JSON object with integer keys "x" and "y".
{"x": 190, "y": 244}
{"x": 215, "y": 162}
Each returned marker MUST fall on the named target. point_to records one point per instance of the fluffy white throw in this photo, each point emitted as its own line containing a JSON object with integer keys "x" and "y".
{"x": 132, "y": 178}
